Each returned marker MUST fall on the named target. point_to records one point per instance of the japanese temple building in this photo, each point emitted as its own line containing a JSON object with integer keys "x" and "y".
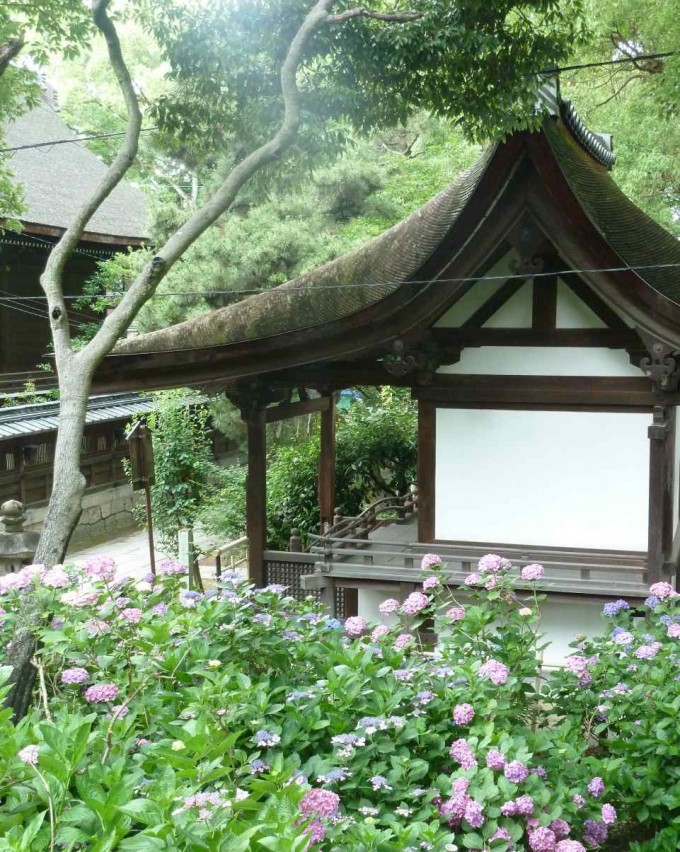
{"x": 534, "y": 311}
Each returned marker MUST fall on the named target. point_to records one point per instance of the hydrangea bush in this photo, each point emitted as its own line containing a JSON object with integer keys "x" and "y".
{"x": 240, "y": 719}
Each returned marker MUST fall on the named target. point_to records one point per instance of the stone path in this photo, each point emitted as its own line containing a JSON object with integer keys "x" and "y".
{"x": 131, "y": 552}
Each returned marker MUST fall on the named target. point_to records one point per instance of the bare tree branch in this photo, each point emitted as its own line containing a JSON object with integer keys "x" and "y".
{"x": 362, "y": 12}
{"x": 52, "y": 276}
{"x": 8, "y": 51}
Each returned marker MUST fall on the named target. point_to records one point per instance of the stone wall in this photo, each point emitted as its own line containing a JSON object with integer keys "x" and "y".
{"x": 107, "y": 513}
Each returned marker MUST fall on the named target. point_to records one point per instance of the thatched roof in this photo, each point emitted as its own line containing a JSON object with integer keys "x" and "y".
{"x": 56, "y": 180}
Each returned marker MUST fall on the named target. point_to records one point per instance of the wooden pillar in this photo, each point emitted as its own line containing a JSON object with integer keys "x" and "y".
{"x": 327, "y": 464}
{"x": 256, "y": 493}
{"x": 427, "y": 434}
{"x": 661, "y": 440}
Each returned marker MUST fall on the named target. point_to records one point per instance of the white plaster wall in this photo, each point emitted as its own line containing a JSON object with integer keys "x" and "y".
{"x": 542, "y": 478}
{"x": 542, "y": 361}
{"x": 465, "y": 307}
{"x": 572, "y": 312}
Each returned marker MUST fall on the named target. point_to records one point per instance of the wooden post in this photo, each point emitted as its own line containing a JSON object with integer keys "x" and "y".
{"x": 660, "y": 492}
{"x": 327, "y": 464}
{"x": 256, "y": 493}
{"x": 427, "y": 449}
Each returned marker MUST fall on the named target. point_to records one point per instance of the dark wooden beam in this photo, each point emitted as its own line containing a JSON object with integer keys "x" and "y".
{"x": 562, "y": 337}
{"x": 285, "y": 410}
{"x": 427, "y": 459}
{"x": 494, "y": 303}
{"x": 661, "y": 475}
{"x": 544, "y": 302}
{"x": 327, "y": 463}
{"x": 256, "y": 494}
{"x": 527, "y": 391}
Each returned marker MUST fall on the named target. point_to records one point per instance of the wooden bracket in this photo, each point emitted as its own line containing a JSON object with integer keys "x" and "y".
{"x": 661, "y": 365}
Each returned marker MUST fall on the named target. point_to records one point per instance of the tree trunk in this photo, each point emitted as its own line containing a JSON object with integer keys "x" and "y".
{"x": 65, "y": 506}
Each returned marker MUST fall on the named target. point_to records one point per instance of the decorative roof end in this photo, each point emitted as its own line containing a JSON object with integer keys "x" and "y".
{"x": 598, "y": 145}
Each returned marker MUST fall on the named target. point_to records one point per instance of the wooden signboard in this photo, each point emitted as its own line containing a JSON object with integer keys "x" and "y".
{"x": 141, "y": 457}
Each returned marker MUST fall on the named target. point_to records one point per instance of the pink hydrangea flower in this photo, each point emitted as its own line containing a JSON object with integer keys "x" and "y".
{"x": 119, "y": 711}
{"x": 463, "y": 714}
{"x": 415, "y": 603}
{"x": 403, "y": 641}
{"x": 473, "y": 580}
{"x": 492, "y": 563}
{"x": 355, "y": 625}
{"x": 132, "y": 614}
{"x": 456, "y": 613}
{"x": 624, "y": 638}
{"x": 29, "y": 755}
{"x": 56, "y": 578}
{"x": 319, "y": 803}
{"x": 430, "y": 583}
{"x": 663, "y": 590}
{"x": 75, "y": 675}
{"x": 100, "y": 568}
{"x": 101, "y": 692}
{"x": 316, "y": 832}
{"x": 159, "y": 609}
{"x": 500, "y": 834}
{"x": 380, "y": 631}
{"x": 81, "y": 597}
{"x": 533, "y": 572}
{"x": 496, "y": 672}
{"x": 429, "y": 561}
{"x": 570, "y": 846}
{"x": 673, "y": 631}
{"x": 648, "y": 652}
{"x": 389, "y": 606}
{"x": 97, "y": 627}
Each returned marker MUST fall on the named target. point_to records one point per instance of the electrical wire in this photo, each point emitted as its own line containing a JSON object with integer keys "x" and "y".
{"x": 34, "y": 145}
{"x": 378, "y": 284}
{"x": 621, "y": 61}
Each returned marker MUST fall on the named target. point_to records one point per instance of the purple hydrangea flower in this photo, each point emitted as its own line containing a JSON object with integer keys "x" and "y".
{"x": 594, "y": 832}
{"x": 496, "y": 672}
{"x": 542, "y": 840}
{"x": 524, "y": 805}
{"x": 257, "y": 766}
{"x": 403, "y": 641}
{"x": 570, "y": 846}
{"x": 615, "y": 607}
{"x": 495, "y": 759}
{"x": 456, "y": 613}
{"x": 379, "y": 782}
{"x": 492, "y": 564}
{"x": 578, "y": 800}
{"x": 319, "y": 803}
{"x": 463, "y": 714}
{"x": 462, "y": 753}
{"x": 596, "y": 787}
{"x": 132, "y": 614}
{"x": 101, "y": 692}
{"x": 560, "y": 828}
{"x": 170, "y": 567}
{"x": 474, "y": 813}
{"x": 533, "y": 572}
{"x": 648, "y": 652}
{"x": 159, "y": 609}
{"x": 266, "y": 739}
{"x": 75, "y": 675}
{"x": 608, "y": 814}
{"x": 430, "y": 583}
{"x": 515, "y": 772}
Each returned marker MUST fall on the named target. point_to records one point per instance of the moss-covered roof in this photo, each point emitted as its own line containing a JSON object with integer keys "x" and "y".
{"x": 636, "y": 238}
{"x": 377, "y": 269}
{"x": 337, "y": 289}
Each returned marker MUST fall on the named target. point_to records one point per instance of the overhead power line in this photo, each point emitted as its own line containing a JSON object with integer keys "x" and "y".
{"x": 284, "y": 291}
{"x": 68, "y": 141}
{"x": 621, "y": 61}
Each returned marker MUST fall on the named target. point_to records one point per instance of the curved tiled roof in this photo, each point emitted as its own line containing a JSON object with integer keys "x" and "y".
{"x": 339, "y": 288}
{"x": 56, "y": 181}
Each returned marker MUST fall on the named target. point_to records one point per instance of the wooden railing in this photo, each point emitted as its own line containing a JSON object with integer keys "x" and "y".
{"x": 586, "y": 572}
